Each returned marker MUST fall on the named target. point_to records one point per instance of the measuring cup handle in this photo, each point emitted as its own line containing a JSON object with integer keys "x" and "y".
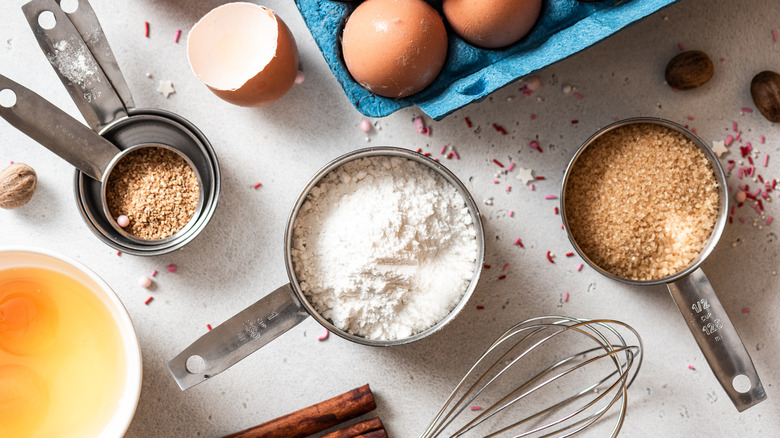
{"x": 238, "y": 337}
{"x": 718, "y": 339}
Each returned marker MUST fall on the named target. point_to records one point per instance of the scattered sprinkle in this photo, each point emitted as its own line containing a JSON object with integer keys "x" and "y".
{"x": 480, "y": 307}
{"x": 550, "y": 197}
{"x": 511, "y": 166}
{"x": 556, "y": 210}
{"x": 148, "y": 300}
{"x": 146, "y": 29}
{"x": 502, "y": 277}
{"x": 766, "y": 159}
{"x": 324, "y": 336}
{"x": 154, "y": 272}
{"x": 574, "y": 122}
{"x": 486, "y": 266}
{"x": 729, "y": 140}
{"x": 535, "y": 145}
{"x": 690, "y": 367}
{"x": 171, "y": 268}
{"x": 762, "y": 139}
{"x": 734, "y": 126}
{"x": 680, "y": 46}
{"x": 119, "y": 253}
{"x": 419, "y": 125}
{"x": 499, "y": 128}
{"x": 565, "y": 297}
{"x": 456, "y": 154}
{"x": 365, "y": 125}
{"x": 578, "y": 95}
{"x": 511, "y": 213}
{"x": 476, "y": 408}
{"x": 508, "y": 188}
{"x": 569, "y": 254}
{"x": 746, "y": 109}
{"x": 468, "y": 122}
{"x": 519, "y": 243}
{"x": 745, "y": 310}
{"x": 176, "y": 38}
{"x": 506, "y": 266}
{"x": 145, "y": 282}
{"x": 208, "y": 326}
{"x": 550, "y": 257}
{"x": 531, "y": 186}
{"x": 498, "y": 163}
{"x": 769, "y": 221}
{"x": 257, "y": 186}
{"x": 579, "y": 267}
{"x": 443, "y": 149}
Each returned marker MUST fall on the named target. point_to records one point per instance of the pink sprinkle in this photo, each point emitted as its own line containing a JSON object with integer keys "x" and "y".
{"x": 495, "y": 181}
{"x": 519, "y": 243}
{"x": 731, "y": 165}
{"x": 766, "y": 159}
{"x": 443, "y": 149}
{"x": 468, "y": 122}
{"x": 745, "y": 310}
{"x": 498, "y": 163}
{"x": 511, "y": 213}
{"x": 690, "y": 117}
{"x": 428, "y": 131}
{"x": 511, "y": 166}
{"x": 722, "y": 59}
{"x": 208, "y": 326}
{"x": 533, "y": 116}
{"x": 365, "y": 125}
{"x": 535, "y": 145}
{"x": 565, "y": 297}
{"x": 550, "y": 197}
{"x": 324, "y": 336}
{"x": 419, "y": 125}
{"x": 746, "y": 109}
{"x": 146, "y": 29}
{"x": 456, "y": 154}
{"x": 735, "y": 127}
{"x": 578, "y": 95}
{"x": 171, "y": 268}
{"x": 531, "y": 186}
{"x": 729, "y": 140}
{"x": 178, "y": 34}
{"x": 154, "y": 272}
{"x": 257, "y": 186}
{"x": 769, "y": 221}
{"x": 693, "y": 130}
{"x": 579, "y": 267}
{"x": 690, "y": 367}
{"x": 682, "y": 49}
{"x": 148, "y": 300}
{"x": 762, "y": 139}
{"x": 508, "y": 188}
{"x": 506, "y": 266}
{"x": 774, "y": 35}
{"x": 476, "y": 408}
{"x": 742, "y": 220}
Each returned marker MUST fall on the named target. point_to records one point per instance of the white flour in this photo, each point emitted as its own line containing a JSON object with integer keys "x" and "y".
{"x": 384, "y": 247}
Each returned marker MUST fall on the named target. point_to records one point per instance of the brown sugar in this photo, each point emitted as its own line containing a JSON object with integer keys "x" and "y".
{"x": 156, "y": 189}
{"x": 641, "y": 201}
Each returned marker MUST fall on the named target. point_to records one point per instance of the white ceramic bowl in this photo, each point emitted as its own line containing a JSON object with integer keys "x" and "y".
{"x": 12, "y": 257}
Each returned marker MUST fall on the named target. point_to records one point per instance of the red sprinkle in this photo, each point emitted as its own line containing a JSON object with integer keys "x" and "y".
{"x": 549, "y": 257}
{"x": 574, "y": 122}
{"x": 257, "y": 186}
{"x": 569, "y": 254}
{"x": 146, "y": 29}
{"x": 556, "y": 210}
{"x": 480, "y": 307}
{"x": 578, "y": 95}
{"x": 502, "y": 277}
{"x": 119, "y": 253}
{"x": 208, "y": 326}
{"x": 498, "y": 163}
{"x": 682, "y": 49}
{"x": 506, "y": 266}
{"x": 486, "y": 266}
{"x": 540, "y": 178}
{"x": 171, "y": 268}
{"x": 745, "y": 310}
{"x": 499, "y": 128}
{"x": 468, "y": 122}
{"x": 519, "y": 242}
{"x": 148, "y": 300}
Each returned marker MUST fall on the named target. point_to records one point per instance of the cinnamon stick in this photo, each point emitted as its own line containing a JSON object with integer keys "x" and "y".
{"x": 375, "y": 434}
{"x": 357, "y": 429}
{"x": 314, "y": 418}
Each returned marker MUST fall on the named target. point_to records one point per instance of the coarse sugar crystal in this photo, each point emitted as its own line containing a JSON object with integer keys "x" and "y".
{"x": 641, "y": 201}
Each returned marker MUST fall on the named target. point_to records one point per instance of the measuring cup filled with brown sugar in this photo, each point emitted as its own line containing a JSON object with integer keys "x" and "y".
{"x": 644, "y": 202}
{"x": 147, "y": 180}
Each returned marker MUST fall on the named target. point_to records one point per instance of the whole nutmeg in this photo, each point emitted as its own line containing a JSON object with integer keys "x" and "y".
{"x": 17, "y": 185}
{"x": 765, "y": 90}
{"x": 689, "y": 70}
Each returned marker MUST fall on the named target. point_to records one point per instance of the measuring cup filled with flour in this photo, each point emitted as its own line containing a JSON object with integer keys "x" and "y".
{"x": 383, "y": 247}
{"x": 644, "y": 202}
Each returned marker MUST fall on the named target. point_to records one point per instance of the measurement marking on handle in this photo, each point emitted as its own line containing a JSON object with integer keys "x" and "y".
{"x": 252, "y": 328}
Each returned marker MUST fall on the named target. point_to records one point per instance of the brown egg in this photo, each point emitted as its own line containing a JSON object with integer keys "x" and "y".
{"x": 394, "y": 48}
{"x": 244, "y": 53}
{"x": 492, "y": 24}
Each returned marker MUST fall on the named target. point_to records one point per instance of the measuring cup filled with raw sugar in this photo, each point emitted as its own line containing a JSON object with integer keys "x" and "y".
{"x": 76, "y": 47}
{"x": 644, "y": 202}
{"x": 288, "y": 305}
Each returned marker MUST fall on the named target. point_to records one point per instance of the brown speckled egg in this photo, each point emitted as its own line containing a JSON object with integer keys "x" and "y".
{"x": 394, "y": 48}
{"x": 492, "y": 24}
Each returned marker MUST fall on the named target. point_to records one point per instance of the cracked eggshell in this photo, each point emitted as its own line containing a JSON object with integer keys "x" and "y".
{"x": 394, "y": 48}
{"x": 244, "y": 53}
{"x": 493, "y": 24}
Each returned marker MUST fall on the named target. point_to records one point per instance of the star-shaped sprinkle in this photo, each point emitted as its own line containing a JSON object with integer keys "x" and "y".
{"x": 719, "y": 147}
{"x": 166, "y": 88}
{"x": 525, "y": 175}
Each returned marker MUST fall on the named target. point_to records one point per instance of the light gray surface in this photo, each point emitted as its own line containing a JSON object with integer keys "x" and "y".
{"x": 239, "y": 256}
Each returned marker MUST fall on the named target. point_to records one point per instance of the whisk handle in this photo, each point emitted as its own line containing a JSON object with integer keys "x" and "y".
{"x": 718, "y": 339}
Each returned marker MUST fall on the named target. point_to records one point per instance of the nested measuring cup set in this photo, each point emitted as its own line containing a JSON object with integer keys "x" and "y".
{"x": 117, "y": 128}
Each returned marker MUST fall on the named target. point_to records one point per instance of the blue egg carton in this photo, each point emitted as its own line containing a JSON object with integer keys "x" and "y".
{"x": 470, "y": 74}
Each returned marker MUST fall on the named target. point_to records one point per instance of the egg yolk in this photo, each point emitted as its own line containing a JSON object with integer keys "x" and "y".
{"x": 28, "y": 322}
{"x": 24, "y": 401}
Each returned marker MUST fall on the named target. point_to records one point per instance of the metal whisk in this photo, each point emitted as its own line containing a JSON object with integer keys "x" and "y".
{"x": 588, "y": 368}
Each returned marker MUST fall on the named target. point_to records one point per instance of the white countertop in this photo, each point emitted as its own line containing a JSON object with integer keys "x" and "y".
{"x": 238, "y": 258}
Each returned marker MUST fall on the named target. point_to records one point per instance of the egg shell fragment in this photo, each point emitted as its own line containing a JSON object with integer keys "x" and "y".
{"x": 394, "y": 48}
{"x": 244, "y": 53}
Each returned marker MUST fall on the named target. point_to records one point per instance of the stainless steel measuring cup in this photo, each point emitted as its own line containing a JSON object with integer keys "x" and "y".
{"x": 692, "y": 292}
{"x": 76, "y": 47}
{"x": 287, "y": 306}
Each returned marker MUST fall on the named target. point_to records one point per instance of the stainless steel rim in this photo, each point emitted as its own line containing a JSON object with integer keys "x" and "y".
{"x": 720, "y": 177}
{"x": 392, "y": 152}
